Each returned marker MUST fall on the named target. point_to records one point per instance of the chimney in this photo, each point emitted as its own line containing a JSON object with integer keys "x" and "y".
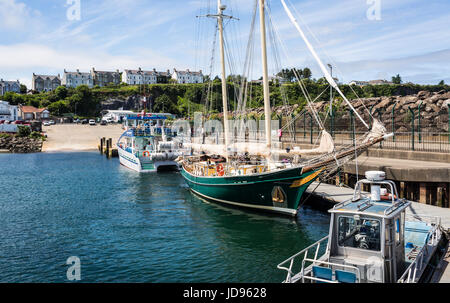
{"x": 188, "y": 70}
{"x": 154, "y": 70}
{"x": 78, "y": 70}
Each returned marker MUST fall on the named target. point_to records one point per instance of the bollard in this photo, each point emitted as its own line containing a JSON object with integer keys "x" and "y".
{"x": 107, "y": 148}
{"x": 102, "y": 145}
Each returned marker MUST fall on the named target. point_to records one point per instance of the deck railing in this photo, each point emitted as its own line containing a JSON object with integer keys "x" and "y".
{"x": 414, "y": 270}
{"x": 303, "y": 255}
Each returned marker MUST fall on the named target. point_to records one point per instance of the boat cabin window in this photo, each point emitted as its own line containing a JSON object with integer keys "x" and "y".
{"x": 356, "y": 232}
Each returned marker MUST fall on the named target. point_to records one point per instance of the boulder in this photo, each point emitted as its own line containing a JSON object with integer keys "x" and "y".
{"x": 423, "y": 95}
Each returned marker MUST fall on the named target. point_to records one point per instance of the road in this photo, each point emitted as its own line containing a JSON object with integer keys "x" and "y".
{"x": 77, "y": 137}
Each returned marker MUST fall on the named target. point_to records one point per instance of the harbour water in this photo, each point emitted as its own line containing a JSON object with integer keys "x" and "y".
{"x": 130, "y": 227}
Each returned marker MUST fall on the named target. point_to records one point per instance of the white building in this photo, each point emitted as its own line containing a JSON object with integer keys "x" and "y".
{"x": 9, "y": 86}
{"x": 116, "y": 115}
{"x": 187, "y": 76}
{"x": 74, "y": 79}
{"x": 139, "y": 76}
{"x": 8, "y": 112}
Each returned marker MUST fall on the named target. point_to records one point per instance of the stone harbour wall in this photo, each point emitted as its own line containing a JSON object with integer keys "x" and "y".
{"x": 20, "y": 145}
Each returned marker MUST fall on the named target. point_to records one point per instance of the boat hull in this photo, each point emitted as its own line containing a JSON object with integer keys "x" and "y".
{"x": 130, "y": 161}
{"x": 278, "y": 191}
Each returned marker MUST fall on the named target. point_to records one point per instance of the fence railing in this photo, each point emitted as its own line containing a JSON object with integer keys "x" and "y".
{"x": 426, "y": 141}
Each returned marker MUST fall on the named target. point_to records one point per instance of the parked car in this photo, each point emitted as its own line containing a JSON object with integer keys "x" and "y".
{"x": 103, "y": 122}
{"x": 76, "y": 121}
{"x": 85, "y": 121}
{"x": 92, "y": 122}
{"x": 52, "y": 122}
{"x": 46, "y": 123}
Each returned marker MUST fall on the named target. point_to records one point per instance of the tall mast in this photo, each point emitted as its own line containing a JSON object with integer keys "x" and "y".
{"x": 220, "y": 9}
{"x": 267, "y": 109}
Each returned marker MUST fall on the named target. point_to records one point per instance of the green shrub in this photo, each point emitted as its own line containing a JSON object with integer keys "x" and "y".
{"x": 24, "y": 131}
{"x": 36, "y": 135}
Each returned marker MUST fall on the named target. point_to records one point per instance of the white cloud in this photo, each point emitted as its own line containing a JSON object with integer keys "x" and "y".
{"x": 17, "y": 15}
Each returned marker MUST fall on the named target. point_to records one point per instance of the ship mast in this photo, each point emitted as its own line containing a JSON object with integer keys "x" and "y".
{"x": 220, "y": 15}
{"x": 267, "y": 108}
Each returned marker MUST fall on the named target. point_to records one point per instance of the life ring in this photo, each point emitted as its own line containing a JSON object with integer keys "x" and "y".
{"x": 220, "y": 170}
{"x": 146, "y": 154}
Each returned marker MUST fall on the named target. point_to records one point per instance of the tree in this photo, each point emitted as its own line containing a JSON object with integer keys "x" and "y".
{"x": 83, "y": 102}
{"x": 23, "y": 89}
{"x": 307, "y": 73}
{"x": 61, "y": 92}
{"x": 59, "y": 108}
{"x": 162, "y": 104}
{"x": 442, "y": 82}
{"x": 397, "y": 79}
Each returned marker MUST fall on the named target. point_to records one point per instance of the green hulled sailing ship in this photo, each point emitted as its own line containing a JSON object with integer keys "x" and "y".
{"x": 258, "y": 182}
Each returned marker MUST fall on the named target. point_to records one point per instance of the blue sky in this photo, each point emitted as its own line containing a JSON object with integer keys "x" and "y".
{"x": 411, "y": 38}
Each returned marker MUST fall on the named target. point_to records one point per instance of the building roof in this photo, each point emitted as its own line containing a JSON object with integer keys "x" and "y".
{"x": 76, "y": 73}
{"x": 188, "y": 72}
{"x": 9, "y": 82}
{"x": 144, "y": 72}
{"x": 50, "y": 77}
{"x": 31, "y": 109}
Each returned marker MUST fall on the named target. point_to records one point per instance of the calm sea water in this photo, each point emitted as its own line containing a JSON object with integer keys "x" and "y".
{"x": 129, "y": 227}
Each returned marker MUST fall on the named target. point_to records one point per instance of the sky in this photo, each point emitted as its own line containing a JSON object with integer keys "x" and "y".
{"x": 361, "y": 39}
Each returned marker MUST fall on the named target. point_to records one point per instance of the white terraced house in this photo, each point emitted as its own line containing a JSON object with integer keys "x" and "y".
{"x": 74, "y": 79}
{"x": 187, "y": 76}
{"x": 139, "y": 76}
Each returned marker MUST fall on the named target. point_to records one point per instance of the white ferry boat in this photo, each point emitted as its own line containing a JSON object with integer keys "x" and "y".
{"x": 148, "y": 145}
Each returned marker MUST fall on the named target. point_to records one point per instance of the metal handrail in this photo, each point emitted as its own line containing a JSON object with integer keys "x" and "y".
{"x": 304, "y": 252}
{"x": 421, "y": 258}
